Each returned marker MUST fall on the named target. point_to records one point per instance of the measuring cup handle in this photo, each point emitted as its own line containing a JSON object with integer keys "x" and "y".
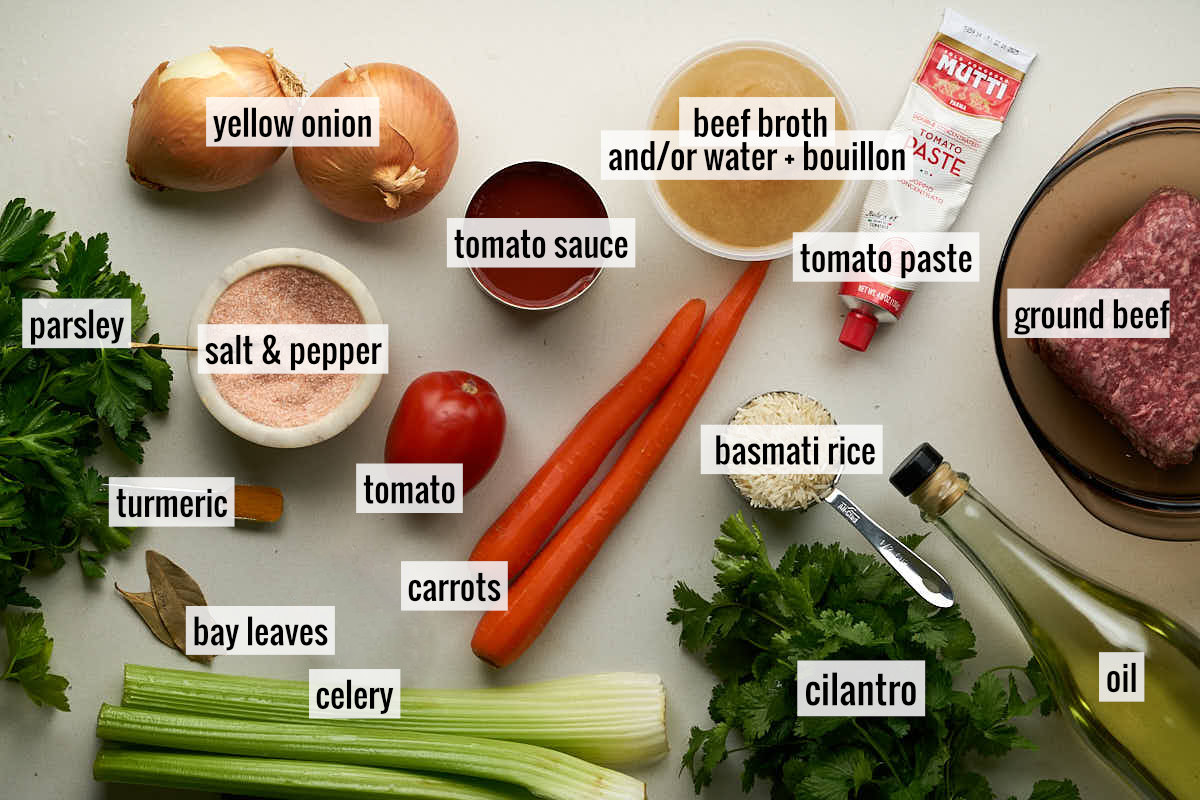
{"x": 916, "y": 572}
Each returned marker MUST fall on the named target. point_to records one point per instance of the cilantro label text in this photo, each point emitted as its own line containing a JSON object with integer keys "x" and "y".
{"x": 860, "y": 689}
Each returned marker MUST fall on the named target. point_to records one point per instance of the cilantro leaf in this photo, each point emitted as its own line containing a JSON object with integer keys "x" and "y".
{"x": 988, "y": 701}
{"x": 817, "y": 601}
{"x": 706, "y": 749}
{"x": 1055, "y": 790}
{"x": 691, "y": 614}
{"x": 838, "y": 777}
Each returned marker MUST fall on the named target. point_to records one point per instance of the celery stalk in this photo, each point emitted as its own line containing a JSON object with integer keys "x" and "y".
{"x": 273, "y": 777}
{"x": 545, "y": 773}
{"x": 614, "y": 719}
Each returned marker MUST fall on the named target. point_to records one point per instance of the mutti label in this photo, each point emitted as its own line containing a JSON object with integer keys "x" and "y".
{"x": 967, "y": 84}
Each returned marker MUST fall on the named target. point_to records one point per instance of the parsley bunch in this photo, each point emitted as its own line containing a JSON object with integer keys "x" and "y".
{"x": 55, "y": 405}
{"x": 822, "y": 601}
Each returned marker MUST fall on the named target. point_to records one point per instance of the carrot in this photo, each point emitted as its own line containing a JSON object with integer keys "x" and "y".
{"x": 502, "y": 636}
{"x": 523, "y": 527}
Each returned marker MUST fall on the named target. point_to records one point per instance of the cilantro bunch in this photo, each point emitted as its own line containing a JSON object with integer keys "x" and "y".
{"x": 822, "y": 602}
{"x": 55, "y": 407}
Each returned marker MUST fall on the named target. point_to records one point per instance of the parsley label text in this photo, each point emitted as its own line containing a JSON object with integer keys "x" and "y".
{"x": 75, "y": 324}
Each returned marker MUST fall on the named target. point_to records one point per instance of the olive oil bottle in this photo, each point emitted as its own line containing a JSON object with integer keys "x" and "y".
{"x": 1068, "y": 620}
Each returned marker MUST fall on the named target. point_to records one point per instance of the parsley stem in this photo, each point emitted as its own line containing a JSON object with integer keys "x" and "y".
{"x": 41, "y": 384}
{"x": 882, "y": 756}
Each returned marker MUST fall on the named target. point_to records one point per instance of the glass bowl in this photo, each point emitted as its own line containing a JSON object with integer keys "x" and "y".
{"x": 1144, "y": 142}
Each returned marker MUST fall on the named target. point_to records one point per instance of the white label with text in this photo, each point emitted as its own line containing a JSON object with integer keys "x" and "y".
{"x": 75, "y": 324}
{"x": 924, "y": 256}
{"x": 1089, "y": 313}
{"x": 757, "y": 121}
{"x": 860, "y": 689}
{"x": 791, "y": 449}
{"x": 536, "y": 242}
{"x": 171, "y": 502}
{"x": 453, "y": 585}
{"x": 291, "y": 122}
{"x": 408, "y": 489}
{"x": 1122, "y": 677}
{"x": 353, "y": 693}
{"x": 660, "y": 155}
{"x": 292, "y": 349}
{"x": 259, "y": 631}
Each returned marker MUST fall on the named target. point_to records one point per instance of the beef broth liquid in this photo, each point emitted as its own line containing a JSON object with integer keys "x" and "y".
{"x": 752, "y": 213}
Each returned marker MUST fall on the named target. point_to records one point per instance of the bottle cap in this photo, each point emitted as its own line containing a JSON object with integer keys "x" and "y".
{"x": 916, "y": 468}
{"x": 857, "y": 330}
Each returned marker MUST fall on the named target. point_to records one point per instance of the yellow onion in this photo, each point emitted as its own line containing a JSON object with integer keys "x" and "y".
{"x": 418, "y": 142}
{"x": 166, "y": 135}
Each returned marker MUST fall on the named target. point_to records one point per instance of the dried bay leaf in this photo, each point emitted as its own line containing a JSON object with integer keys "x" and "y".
{"x": 173, "y": 591}
{"x": 143, "y": 604}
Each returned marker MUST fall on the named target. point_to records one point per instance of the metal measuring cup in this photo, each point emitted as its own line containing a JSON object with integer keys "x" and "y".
{"x": 916, "y": 572}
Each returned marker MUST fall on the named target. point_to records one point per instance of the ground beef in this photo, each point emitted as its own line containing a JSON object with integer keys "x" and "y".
{"x": 1149, "y": 388}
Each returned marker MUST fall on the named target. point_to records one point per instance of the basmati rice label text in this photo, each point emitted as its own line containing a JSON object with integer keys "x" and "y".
{"x": 791, "y": 449}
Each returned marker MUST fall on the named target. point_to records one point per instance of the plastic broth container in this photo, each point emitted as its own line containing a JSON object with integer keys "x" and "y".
{"x": 955, "y": 106}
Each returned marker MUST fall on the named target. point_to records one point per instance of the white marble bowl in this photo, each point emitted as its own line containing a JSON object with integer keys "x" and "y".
{"x": 336, "y": 420}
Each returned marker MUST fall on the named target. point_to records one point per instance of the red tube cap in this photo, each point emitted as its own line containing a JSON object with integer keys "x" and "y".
{"x": 857, "y": 330}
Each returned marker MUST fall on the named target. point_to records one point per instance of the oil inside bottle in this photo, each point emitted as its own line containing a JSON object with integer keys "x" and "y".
{"x": 1068, "y": 619}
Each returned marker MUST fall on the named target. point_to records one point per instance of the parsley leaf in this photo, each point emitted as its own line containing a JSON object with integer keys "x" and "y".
{"x": 820, "y": 600}
{"x": 56, "y": 408}
{"x": 28, "y": 660}
{"x": 24, "y": 248}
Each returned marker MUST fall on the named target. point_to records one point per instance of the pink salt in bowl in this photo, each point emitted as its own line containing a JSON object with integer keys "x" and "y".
{"x": 284, "y": 285}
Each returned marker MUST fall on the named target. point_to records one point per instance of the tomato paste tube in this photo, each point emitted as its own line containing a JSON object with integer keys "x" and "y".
{"x": 954, "y": 107}
{"x": 870, "y": 303}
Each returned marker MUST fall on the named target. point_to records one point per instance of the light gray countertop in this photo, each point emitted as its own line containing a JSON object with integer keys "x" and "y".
{"x": 539, "y": 81}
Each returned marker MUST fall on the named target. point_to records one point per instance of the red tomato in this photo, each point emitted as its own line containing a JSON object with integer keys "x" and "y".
{"x": 448, "y": 418}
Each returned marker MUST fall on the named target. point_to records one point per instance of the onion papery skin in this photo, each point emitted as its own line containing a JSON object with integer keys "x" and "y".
{"x": 418, "y": 144}
{"x": 166, "y": 147}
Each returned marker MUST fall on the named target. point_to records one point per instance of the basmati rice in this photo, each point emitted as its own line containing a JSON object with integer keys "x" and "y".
{"x": 782, "y": 492}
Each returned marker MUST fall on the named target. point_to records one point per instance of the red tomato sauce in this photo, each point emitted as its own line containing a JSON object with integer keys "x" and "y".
{"x": 536, "y": 189}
